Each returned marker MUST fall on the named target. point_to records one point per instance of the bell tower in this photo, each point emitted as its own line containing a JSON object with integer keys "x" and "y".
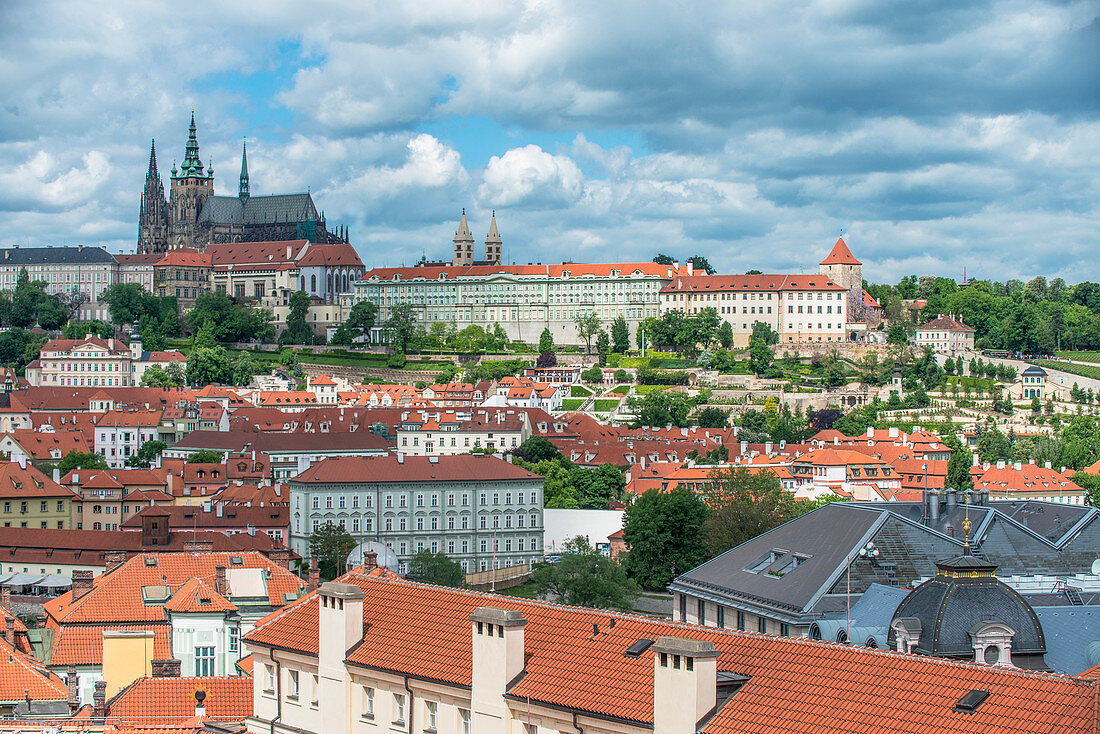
{"x": 463, "y": 243}
{"x": 191, "y": 185}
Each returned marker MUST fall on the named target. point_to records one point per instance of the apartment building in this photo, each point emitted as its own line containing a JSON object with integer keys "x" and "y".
{"x": 400, "y": 656}
{"x": 137, "y": 268}
{"x": 183, "y": 274}
{"x": 119, "y": 434}
{"x": 30, "y": 499}
{"x": 945, "y": 334}
{"x": 435, "y": 433}
{"x": 481, "y": 511}
{"x": 800, "y": 308}
{"x": 523, "y": 299}
{"x": 87, "y": 270}
{"x": 88, "y": 362}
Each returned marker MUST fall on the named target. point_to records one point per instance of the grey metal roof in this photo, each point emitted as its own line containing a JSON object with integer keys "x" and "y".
{"x": 1034, "y": 370}
{"x": 1073, "y": 637}
{"x": 258, "y": 209}
{"x": 55, "y": 255}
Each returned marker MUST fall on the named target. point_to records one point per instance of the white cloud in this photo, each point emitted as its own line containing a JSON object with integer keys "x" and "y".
{"x": 531, "y": 176}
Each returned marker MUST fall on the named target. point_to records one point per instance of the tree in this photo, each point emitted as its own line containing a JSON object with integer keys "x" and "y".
{"x": 664, "y": 532}
{"x": 400, "y": 327}
{"x": 592, "y": 374}
{"x": 331, "y": 544}
{"x": 958, "y": 467}
{"x": 824, "y": 418}
{"x": 701, "y": 264}
{"x": 244, "y": 367}
{"x": 1091, "y": 484}
{"x": 537, "y": 449}
{"x": 744, "y": 504}
{"x": 712, "y": 417}
{"x": 129, "y": 302}
{"x": 764, "y": 331}
{"x": 547, "y": 359}
{"x": 546, "y": 341}
{"x": 620, "y": 336}
{"x": 660, "y": 408}
{"x": 760, "y": 356}
{"x": 725, "y": 334}
{"x": 358, "y": 324}
{"x": 203, "y": 338}
{"x": 146, "y": 454}
{"x": 157, "y": 376}
{"x": 603, "y": 346}
{"x": 206, "y": 456}
{"x": 436, "y": 568}
{"x": 583, "y": 577}
{"x": 993, "y": 446}
{"x": 208, "y": 366}
{"x": 81, "y": 460}
{"x": 897, "y": 335}
{"x": 297, "y": 331}
{"x": 663, "y": 259}
{"x": 588, "y": 324}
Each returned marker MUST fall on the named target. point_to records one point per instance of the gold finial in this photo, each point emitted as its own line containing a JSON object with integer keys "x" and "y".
{"x": 966, "y": 527}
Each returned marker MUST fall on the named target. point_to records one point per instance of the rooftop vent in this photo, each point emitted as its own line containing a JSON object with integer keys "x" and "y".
{"x": 637, "y": 648}
{"x": 970, "y": 702}
{"x": 151, "y": 562}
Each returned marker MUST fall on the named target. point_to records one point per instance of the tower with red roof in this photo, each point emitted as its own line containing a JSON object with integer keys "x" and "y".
{"x": 841, "y": 266}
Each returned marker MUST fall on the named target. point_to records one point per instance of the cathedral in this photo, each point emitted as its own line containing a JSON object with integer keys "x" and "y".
{"x": 193, "y": 216}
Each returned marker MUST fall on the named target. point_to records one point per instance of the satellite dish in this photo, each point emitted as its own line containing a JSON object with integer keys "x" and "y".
{"x": 1096, "y": 566}
{"x": 384, "y": 556}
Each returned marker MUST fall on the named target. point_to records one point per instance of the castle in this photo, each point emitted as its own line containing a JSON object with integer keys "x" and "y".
{"x": 194, "y": 217}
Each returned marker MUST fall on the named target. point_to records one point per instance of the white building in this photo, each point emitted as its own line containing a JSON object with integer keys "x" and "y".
{"x": 88, "y": 362}
{"x": 119, "y": 434}
{"x": 945, "y": 335}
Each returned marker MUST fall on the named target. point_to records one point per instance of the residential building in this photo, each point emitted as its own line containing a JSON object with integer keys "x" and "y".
{"x": 481, "y": 511}
{"x": 120, "y": 433}
{"x": 428, "y": 433}
{"x": 946, "y": 335}
{"x": 66, "y": 270}
{"x": 800, "y": 308}
{"x": 176, "y": 421}
{"x": 523, "y": 299}
{"x": 138, "y": 268}
{"x": 843, "y": 472}
{"x": 103, "y": 499}
{"x": 216, "y": 516}
{"x": 1020, "y": 481}
{"x": 191, "y": 607}
{"x": 27, "y": 689}
{"x": 400, "y": 656}
{"x": 87, "y": 362}
{"x": 30, "y": 499}
{"x": 183, "y": 274}
{"x": 43, "y": 445}
{"x": 169, "y": 700}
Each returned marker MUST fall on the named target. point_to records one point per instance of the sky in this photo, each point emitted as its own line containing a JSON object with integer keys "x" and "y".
{"x": 940, "y": 136}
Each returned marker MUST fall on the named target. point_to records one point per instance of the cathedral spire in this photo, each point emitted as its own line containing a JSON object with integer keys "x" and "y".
{"x": 152, "y": 173}
{"x": 493, "y": 244}
{"x": 153, "y": 216}
{"x": 192, "y": 166}
{"x": 242, "y": 192}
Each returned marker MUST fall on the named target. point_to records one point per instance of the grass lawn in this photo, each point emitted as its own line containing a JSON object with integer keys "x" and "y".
{"x": 1083, "y": 370}
{"x": 1081, "y": 356}
{"x": 579, "y": 391}
{"x": 647, "y": 389}
{"x": 621, "y": 389}
{"x": 606, "y": 405}
{"x": 572, "y": 403}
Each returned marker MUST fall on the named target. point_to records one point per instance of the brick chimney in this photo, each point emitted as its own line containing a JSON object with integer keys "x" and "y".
{"x": 198, "y": 546}
{"x": 114, "y": 559}
{"x": 5, "y": 597}
{"x": 9, "y": 629}
{"x": 370, "y": 560}
{"x": 99, "y": 700}
{"x": 165, "y": 668}
{"x": 82, "y": 583}
{"x": 220, "y": 585}
{"x": 72, "y": 684}
{"x": 280, "y": 557}
{"x": 314, "y": 574}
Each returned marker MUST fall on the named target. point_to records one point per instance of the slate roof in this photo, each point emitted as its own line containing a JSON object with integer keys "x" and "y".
{"x": 1073, "y": 637}
{"x": 49, "y": 255}
{"x": 794, "y": 685}
{"x": 258, "y": 209}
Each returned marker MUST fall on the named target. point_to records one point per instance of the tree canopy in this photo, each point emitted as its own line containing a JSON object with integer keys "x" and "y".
{"x": 436, "y": 568}
{"x": 583, "y": 577}
{"x": 664, "y": 532}
{"x": 331, "y": 544}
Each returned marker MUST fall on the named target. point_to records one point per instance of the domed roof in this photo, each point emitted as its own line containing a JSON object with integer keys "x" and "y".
{"x": 965, "y": 599}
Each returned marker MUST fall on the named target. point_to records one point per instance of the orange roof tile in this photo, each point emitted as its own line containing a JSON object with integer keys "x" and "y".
{"x": 82, "y": 644}
{"x": 165, "y": 700}
{"x": 840, "y": 255}
{"x": 22, "y": 675}
{"x": 195, "y": 597}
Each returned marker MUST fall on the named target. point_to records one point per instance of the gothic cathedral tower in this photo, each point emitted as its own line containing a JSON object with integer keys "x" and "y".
{"x": 190, "y": 188}
{"x": 153, "y": 218}
{"x": 463, "y": 243}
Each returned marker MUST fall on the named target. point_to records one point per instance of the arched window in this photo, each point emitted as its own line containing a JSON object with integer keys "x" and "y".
{"x": 312, "y": 283}
{"x": 303, "y": 283}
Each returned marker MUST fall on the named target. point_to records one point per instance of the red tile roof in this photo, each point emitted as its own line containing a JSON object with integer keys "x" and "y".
{"x": 370, "y": 469}
{"x": 435, "y": 272}
{"x": 82, "y": 644}
{"x": 840, "y": 255}
{"x": 945, "y": 323}
{"x": 185, "y": 258}
{"x": 247, "y": 253}
{"x": 41, "y": 445}
{"x": 794, "y": 684}
{"x": 333, "y": 255}
{"x": 196, "y": 597}
{"x": 228, "y": 698}
{"x": 18, "y": 482}
{"x": 23, "y": 676}
{"x": 761, "y": 283}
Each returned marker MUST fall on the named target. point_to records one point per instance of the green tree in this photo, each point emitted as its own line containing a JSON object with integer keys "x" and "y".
{"x": 603, "y": 346}
{"x": 583, "y": 577}
{"x": 209, "y": 366}
{"x": 663, "y": 259}
{"x": 897, "y": 335}
{"x": 400, "y": 327}
{"x": 592, "y": 374}
{"x": 297, "y": 330}
{"x": 588, "y": 325}
{"x": 705, "y": 325}
{"x": 81, "y": 460}
{"x": 206, "y": 456}
{"x": 701, "y": 264}
{"x": 128, "y": 303}
{"x": 331, "y": 544}
{"x": 546, "y": 341}
{"x": 664, "y": 532}
{"x": 744, "y": 504}
{"x": 537, "y": 449}
{"x": 1091, "y": 484}
{"x": 764, "y": 331}
{"x": 244, "y": 367}
{"x": 725, "y": 335}
{"x": 436, "y": 568}
{"x": 993, "y": 446}
{"x": 620, "y": 335}
{"x": 146, "y": 454}
{"x": 712, "y": 417}
{"x": 203, "y": 338}
{"x": 958, "y": 467}
{"x": 660, "y": 408}
{"x": 360, "y": 321}
{"x": 760, "y": 356}
{"x": 157, "y": 376}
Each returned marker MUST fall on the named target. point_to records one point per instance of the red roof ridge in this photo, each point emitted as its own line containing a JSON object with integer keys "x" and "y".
{"x": 840, "y": 255}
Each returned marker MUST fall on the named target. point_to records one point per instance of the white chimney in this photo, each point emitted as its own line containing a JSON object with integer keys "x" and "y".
{"x": 685, "y": 683}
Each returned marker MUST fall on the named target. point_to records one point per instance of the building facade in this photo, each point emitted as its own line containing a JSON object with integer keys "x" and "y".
{"x": 479, "y": 510}
{"x": 945, "y": 335}
{"x": 67, "y": 271}
{"x": 88, "y": 362}
{"x": 30, "y": 499}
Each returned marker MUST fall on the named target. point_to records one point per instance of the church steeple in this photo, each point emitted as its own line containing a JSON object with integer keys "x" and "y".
{"x": 153, "y": 216}
{"x": 242, "y": 192}
{"x": 463, "y": 243}
{"x": 192, "y": 166}
{"x": 493, "y": 244}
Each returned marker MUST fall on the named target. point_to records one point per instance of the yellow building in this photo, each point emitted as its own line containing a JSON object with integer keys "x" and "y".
{"x": 30, "y": 499}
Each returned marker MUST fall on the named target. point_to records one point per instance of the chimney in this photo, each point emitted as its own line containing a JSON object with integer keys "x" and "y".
{"x": 870, "y": 431}
{"x": 114, "y": 559}
{"x": 22, "y": 459}
{"x": 57, "y": 475}
{"x": 1047, "y": 465}
{"x": 220, "y": 585}
{"x": 9, "y": 629}
{"x": 498, "y": 657}
{"x": 72, "y": 685}
{"x": 280, "y": 557}
{"x": 166, "y": 668}
{"x": 1001, "y": 464}
{"x": 314, "y": 574}
{"x": 685, "y": 684}
{"x": 1017, "y": 466}
{"x": 82, "y": 583}
{"x": 99, "y": 700}
{"x": 370, "y": 560}
{"x": 767, "y": 448}
{"x": 400, "y": 458}
{"x": 200, "y": 701}
{"x": 340, "y": 614}
{"x": 951, "y": 499}
{"x": 932, "y": 501}
{"x": 5, "y": 597}
{"x": 193, "y": 545}
{"x": 974, "y": 459}
{"x": 893, "y": 432}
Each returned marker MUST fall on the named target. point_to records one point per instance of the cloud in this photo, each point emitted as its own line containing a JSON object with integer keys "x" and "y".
{"x": 531, "y": 176}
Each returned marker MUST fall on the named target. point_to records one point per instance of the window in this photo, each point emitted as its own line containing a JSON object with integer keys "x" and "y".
{"x": 464, "y": 721}
{"x": 683, "y": 608}
{"x": 762, "y": 625}
{"x": 234, "y": 639}
{"x": 702, "y": 612}
{"x": 721, "y": 617}
{"x": 398, "y": 708}
{"x": 740, "y": 620}
{"x": 269, "y": 678}
{"x": 204, "y": 661}
{"x": 313, "y": 692}
{"x": 431, "y": 715}
{"x": 368, "y": 702}
{"x": 293, "y": 686}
